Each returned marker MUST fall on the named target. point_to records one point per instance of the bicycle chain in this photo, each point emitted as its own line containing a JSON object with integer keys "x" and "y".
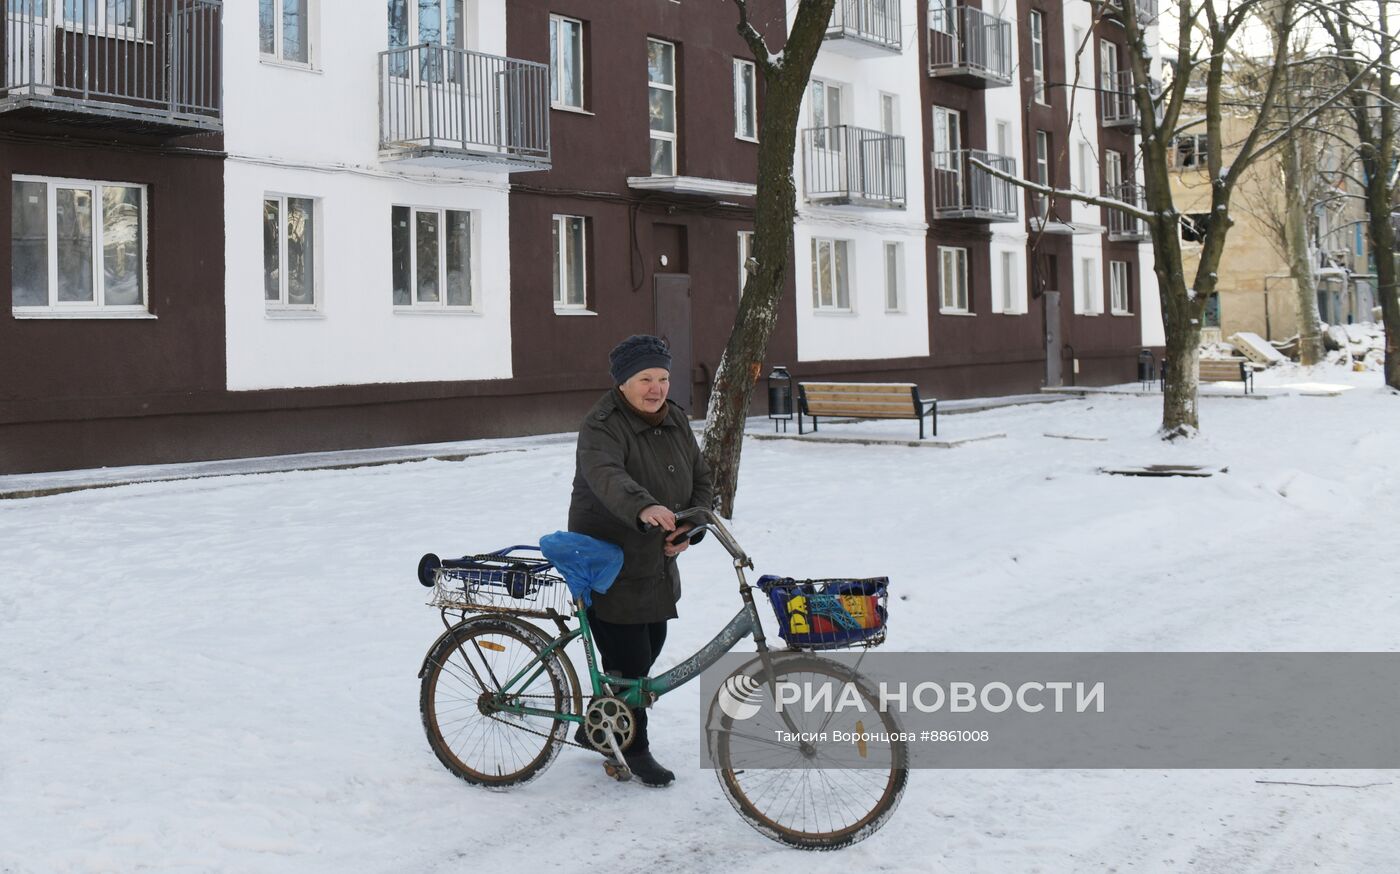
{"x": 537, "y": 733}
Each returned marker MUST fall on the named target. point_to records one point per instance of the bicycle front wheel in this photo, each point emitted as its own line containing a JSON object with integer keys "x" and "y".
{"x": 812, "y": 796}
{"x": 463, "y": 691}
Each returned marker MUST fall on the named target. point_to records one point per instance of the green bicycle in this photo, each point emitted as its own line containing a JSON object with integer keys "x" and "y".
{"x": 500, "y": 698}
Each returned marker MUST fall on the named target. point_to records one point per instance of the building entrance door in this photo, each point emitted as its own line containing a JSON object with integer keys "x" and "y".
{"x": 672, "y": 313}
{"x": 1054, "y": 370}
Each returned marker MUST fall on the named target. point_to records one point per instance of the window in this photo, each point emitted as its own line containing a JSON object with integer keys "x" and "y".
{"x": 745, "y": 100}
{"x": 952, "y": 279}
{"x": 77, "y": 246}
{"x": 1037, "y": 26}
{"x": 1112, "y": 171}
{"x": 1119, "y": 299}
{"x": 1191, "y": 150}
{"x": 1091, "y": 302}
{"x": 1084, "y": 166}
{"x": 942, "y": 16}
{"x": 894, "y": 277}
{"x": 661, "y": 96}
{"x": 121, "y": 18}
{"x": 1194, "y": 227}
{"x": 1003, "y": 138}
{"x": 432, "y": 252}
{"x": 565, "y": 62}
{"x": 745, "y": 253}
{"x": 1108, "y": 64}
{"x": 1042, "y": 172}
{"x": 423, "y": 29}
{"x": 831, "y": 288}
{"x": 289, "y": 252}
{"x": 570, "y": 262}
{"x": 947, "y": 138}
{"x": 889, "y": 114}
{"x": 826, "y": 113}
{"x": 284, "y": 30}
{"x": 1009, "y": 303}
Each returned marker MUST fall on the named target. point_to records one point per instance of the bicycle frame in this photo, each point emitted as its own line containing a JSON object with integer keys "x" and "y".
{"x": 639, "y": 693}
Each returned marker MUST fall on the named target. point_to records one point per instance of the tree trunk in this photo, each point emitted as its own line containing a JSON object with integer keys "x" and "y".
{"x": 1295, "y": 219}
{"x": 741, "y": 365}
{"x": 1382, "y": 236}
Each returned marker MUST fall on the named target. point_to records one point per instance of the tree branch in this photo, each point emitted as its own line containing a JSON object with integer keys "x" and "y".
{"x": 761, "y": 55}
{"x": 1091, "y": 199}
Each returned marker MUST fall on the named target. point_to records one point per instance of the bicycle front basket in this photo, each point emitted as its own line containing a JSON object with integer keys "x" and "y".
{"x": 829, "y": 614}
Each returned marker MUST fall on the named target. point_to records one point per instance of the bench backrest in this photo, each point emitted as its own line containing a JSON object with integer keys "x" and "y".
{"x": 1221, "y": 370}
{"x": 895, "y": 400}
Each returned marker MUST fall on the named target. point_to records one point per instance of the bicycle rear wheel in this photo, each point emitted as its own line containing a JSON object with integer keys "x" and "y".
{"x": 805, "y": 795}
{"x": 460, "y": 699}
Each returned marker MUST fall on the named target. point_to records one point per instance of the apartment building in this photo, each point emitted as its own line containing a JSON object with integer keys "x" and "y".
{"x": 321, "y": 232}
{"x": 111, "y": 121}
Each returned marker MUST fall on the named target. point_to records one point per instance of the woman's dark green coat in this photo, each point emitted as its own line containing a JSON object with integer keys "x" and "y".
{"x": 624, "y": 465}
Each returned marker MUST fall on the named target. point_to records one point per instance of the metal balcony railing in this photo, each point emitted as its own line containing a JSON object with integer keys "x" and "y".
{"x": 451, "y": 106}
{"x": 853, "y": 165}
{"x": 875, "y": 23}
{"x": 1146, "y": 9}
{"x": 154, "y": 62}
{"x": 969, "y": 43}
{"x": 963, "y": 190}
{"x": 1119, "y": 107}
{"x": 1124, "y": 226}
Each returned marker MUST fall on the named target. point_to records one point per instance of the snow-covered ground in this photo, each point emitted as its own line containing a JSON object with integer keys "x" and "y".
{"x": 219, "y": 674}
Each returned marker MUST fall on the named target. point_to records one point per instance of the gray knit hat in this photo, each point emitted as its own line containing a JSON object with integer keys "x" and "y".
{"x": 635, "y": 354}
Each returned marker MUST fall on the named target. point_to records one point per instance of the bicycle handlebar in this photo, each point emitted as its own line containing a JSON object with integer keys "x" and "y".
{"x": 709, "y": 521}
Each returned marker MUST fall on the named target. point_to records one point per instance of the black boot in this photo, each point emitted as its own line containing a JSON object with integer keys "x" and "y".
{"x": 647, "y": 770}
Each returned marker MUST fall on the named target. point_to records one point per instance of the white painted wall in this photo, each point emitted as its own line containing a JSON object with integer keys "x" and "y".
{"x": 1004, "y": 105}
{"x": 316, "y": 133}
{"x": 868, "y": 331}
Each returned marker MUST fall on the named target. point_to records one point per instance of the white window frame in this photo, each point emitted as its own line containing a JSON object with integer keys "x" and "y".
{"x": 893, "y": 260}
{"x": 889, "y": 113}
{"x": 740, "y": 65}
{"x": 745, "y": 253}
{"x": 838, "y": 300}
{"x": 672, "y": 136}
{"x": 98, "y": 24}
{"x": 1084, "y": 161}
{"x": 1199, "y": 144}
{"x": 1112, "y": 170}
{"x": 820, "y": 106}
{"x": 313, "y": 30}
{"x": 1008, "y": 292}
{"x": 414, "y": 305}
{"x": 1091, "y": 296}
{"x": 95, "y": 308}
{"x": 1120, "y": 302}
{"x": 1003, "y": 137}
{"x": 953, "y": 259}
{"x": 561, "y": 271}
{"x": 947, "y": 138}
{"x": 317, "y": 262}
{"x": 1036, "y": 25}
{"x": 558, "y": 75}
{"x": 1042, "y": 169}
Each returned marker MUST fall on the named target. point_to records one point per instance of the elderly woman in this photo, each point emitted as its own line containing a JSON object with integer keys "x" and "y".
{"x": 637, "y": 465}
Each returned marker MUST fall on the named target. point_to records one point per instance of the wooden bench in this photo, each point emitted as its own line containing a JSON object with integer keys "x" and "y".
{"x": 1227, "y": 370}
{"x": 864, "y": 400}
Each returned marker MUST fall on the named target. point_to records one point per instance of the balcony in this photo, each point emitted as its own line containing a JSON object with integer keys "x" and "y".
{"x": 147, "y": 67}
{"x": 852, "y": 166}
{"x": 1146, "y": 10}
{"x": 968, "y": 46}
{"x": 964, "y": 191}
{"x": 1123, "y": 226}
{"x": 865, "y": 28}
{"x": 449, "y": 107}
{"x": 1117, "y": 103}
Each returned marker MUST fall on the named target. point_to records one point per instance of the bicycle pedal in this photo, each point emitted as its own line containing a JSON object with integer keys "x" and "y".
{"x": 620, "y": 773}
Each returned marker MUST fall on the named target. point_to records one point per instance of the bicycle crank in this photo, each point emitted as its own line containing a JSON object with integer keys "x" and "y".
{"x": 609, "y": 727}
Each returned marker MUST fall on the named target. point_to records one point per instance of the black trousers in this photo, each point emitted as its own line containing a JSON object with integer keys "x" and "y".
{"x": 629, "y": 650}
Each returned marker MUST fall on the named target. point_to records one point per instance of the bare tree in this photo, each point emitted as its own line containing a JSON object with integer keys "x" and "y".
{"x": 1366, "y": 50}
{"x": 784, "y": 78}
{"x": 1207, "y": 31}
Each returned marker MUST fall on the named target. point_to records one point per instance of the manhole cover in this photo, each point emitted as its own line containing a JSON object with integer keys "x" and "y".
{"x": 1196, "y": 470}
